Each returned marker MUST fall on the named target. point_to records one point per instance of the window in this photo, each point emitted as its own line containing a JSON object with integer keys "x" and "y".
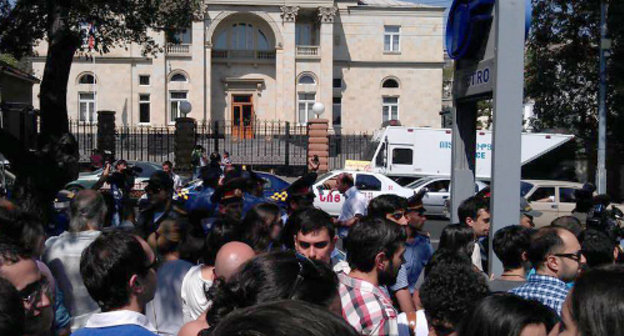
{"x": 391, "y": 38}
{"x": 178, "y": 78}
{"x": 87, "y": 79}
{"x": 144, "y": 80}
{"x": 567, "y": 195}
{"x": 367, "y": 182}
{"x": 305, "y": 34}
{"x": 180, "y": 37}
{"x": 390, "y": 108}
{"x": 544, "y": 194}
{"x": 402, "y": 156}
{"x": 390, "y": 83}
{"x": 144, "y": 108}
{"x": 439, "y": 186}
{"x": 175, "y": 98}
{"x": 337, "y": 111}
{"x": 306, "y": 79}
{"x": 337, "y": 83}
{"x": 381, "y": 156}
{"x": 306, "y": 101}
{"x": 242, "y": 36}
{"x": 86, "y": 107}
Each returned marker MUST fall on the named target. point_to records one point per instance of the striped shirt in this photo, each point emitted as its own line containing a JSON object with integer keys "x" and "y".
{"x": 366, "y": 307}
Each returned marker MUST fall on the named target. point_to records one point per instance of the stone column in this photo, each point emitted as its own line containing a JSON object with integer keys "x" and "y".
{"x": 106, "y": 131}
{"x": 318, "y": 142}
{"x": 326, "y": 18}
{"x": 184, "y": 141}
{"x": 288, "y": 65}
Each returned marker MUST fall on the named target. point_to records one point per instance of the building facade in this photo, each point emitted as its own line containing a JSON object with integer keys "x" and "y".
{"x": 366, "y": 61}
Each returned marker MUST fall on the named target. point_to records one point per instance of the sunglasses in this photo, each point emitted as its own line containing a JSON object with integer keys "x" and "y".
{"x": 398, "y": 215}
{"x": 574, "y": 256}
{"x": 31, "y": 295}
{"x": 154, "y": 263}
{"x": 419, "y": 211}
{"x": 152, "y": 189}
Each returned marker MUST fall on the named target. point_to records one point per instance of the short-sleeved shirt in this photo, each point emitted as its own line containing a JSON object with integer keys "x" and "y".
{"x": 417, "y": 255}
{"x": 355, "y": 204}
{"x": 366, "y": 307}
{"x": 117, "y": 323}
{"x": 548, "y": 290}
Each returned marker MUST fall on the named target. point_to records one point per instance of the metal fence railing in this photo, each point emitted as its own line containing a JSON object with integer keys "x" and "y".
{"x": 259, "y": 143}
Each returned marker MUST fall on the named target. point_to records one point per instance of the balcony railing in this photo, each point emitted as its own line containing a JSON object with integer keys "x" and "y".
{"x": 308, "y": 51}
{"x": 244, "y": 54}
{"x": 178, "y": 49}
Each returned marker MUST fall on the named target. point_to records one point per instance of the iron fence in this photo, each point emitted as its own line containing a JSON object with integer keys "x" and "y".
{"x": 271, "y": 144}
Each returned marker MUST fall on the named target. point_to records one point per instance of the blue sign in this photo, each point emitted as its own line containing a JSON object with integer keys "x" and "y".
{"x": 468, "y": 25}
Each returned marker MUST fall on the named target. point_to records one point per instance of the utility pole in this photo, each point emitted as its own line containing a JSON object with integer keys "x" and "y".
{"x": 601, "y": 171}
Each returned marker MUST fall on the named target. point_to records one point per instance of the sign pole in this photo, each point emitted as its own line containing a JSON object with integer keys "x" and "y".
{"x": 508, "y": 102}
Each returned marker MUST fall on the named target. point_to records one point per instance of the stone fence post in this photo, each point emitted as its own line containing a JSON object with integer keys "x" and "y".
{"x": 184, "y": 141}
{"x": 318, "y": 142}
{"x": 106, "y": 131}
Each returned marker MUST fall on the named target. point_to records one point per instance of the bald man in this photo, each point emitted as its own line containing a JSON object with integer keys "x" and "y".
{"x": 230, "y": 257}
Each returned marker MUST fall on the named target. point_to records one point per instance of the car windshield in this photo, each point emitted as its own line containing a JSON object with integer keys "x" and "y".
{"x": 418, "y": 183}
{"x": 525, "y": 187}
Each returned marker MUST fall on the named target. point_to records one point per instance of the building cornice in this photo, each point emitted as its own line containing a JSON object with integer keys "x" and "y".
{"x": 403, "y": 11}
{"x": 392, "y": 64}
{"x": 301, "y": 3}
{"x": 102, "y": 59}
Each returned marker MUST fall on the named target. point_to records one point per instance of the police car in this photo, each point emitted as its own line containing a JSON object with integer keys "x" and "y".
{"x": 370, "y": 184}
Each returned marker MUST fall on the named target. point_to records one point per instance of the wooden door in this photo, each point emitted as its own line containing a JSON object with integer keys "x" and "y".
{"x": 242, "y": 116}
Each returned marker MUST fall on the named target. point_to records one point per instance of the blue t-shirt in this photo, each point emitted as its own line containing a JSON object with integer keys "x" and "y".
{"x": 417, "y": 254}
{"x": 122, "y": 330}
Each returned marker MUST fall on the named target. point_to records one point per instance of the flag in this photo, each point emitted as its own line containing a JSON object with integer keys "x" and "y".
{"x": 91, "y": 33}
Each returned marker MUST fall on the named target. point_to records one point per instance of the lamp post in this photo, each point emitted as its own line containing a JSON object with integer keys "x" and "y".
{"x": 184, "y": 139}
{"x": 318, "y": 108}
{"x": 185, "y": 108}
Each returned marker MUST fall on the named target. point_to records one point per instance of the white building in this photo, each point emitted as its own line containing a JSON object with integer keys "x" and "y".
{"x": 367, "y": 61}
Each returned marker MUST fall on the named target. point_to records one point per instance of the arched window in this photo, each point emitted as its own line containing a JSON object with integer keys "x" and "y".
{"x": 86, "y": 79}
{"x": 390, "y": 83}
{"x": 178, "y": 78}
{"x": 241, "y": 36}
{"x": 306, "y": 79}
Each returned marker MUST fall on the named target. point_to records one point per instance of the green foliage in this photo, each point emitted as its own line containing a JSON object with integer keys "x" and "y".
{"x": 117, "y": 22}
{"x": 563, "y": 63}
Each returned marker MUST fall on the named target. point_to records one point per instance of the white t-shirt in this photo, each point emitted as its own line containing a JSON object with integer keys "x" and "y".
{"x": 422, "y": 329}
{"x": 194, "y": 302}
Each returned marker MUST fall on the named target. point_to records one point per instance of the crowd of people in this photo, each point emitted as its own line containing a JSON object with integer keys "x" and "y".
{"x": 232, "y": 262}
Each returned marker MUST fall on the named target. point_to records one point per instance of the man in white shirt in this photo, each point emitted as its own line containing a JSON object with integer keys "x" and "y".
{"x": 354, "y": 206}
{"x": 167, "y": 167}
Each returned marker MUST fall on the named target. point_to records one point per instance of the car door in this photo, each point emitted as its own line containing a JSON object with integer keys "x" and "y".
{"x": 434, "y": 199}
{"x": 567, "y": 200}
{"x": 543, "y": 199}
{"x": 401, "y": 159}
{"x": 326, "y": 198}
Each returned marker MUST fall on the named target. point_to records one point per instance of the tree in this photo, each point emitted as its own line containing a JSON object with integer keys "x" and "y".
{"x": 562, "y": 69}
{"x": 117, "y": 23}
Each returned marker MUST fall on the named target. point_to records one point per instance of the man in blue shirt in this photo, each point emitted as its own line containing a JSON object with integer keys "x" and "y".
{"x": 118, "y": 270}
{"x": 556, "y": 255}
{"x": 418, "y": 249}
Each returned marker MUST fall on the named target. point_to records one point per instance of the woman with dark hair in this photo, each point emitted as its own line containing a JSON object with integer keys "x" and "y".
{"x": 283, "y": 318}
{"x": 595, "y": 306}
{"x": 457, "y": 238}
{"x": 505, "y": 314}
{"x": 261, "y": 227}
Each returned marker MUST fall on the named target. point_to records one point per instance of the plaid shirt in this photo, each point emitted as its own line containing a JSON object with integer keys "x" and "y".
{"x": 548, "y": 290}
{"x": 366, "y": 307}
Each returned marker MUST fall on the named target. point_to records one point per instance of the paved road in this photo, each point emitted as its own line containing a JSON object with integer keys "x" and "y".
{"x": 434, "y": 226}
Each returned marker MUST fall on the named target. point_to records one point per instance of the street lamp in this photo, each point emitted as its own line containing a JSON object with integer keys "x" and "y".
{"x": 185, "y": 108}
{"x": 318, "y": 108}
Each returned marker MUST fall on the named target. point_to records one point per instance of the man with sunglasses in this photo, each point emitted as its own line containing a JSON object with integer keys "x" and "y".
{"x": 33, "y": 288}
{"x": 418, "y": 249}
{"x": 159, "y": 191}
{"x": 119, "y": 271}
{"x": 557, "y": 258}
{"x": 393, "y": 208}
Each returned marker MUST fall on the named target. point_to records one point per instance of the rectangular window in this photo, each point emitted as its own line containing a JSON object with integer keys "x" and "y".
{"x": 86, "y": 107}
{"x": 181, "y": 37}
{"x": 402, "y": 156}
{"x": 390, "y": 109}
{"x": 391, "y": 38}
{"x": 337, "y": 111}
{"x": 144, "y": 80}
{"x": 144, "y": 108}
{"x": 305, "y": 103}
{"x": 337, "y": 83}
{"x": 175, "y": 98}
